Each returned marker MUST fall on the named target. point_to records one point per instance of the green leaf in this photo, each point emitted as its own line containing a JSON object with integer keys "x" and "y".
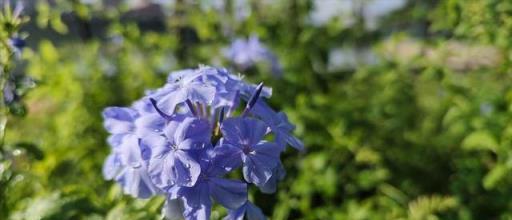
{"x": 480, "y": 140}
{"x": 494, "y": 176}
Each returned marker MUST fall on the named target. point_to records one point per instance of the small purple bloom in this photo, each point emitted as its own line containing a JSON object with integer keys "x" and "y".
{"x": 243, "y": 142}
{"x": 127, "y": 167}
{"x": 198, "y": 199}
{"x": 247, "y": 53}
{"x": 279, "y": 125}
{"x": 172, "y": 162}
{"x": 187, "y": 88}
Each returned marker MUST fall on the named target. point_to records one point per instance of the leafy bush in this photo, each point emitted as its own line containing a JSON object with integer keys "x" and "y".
{"x": 407, "y": 120}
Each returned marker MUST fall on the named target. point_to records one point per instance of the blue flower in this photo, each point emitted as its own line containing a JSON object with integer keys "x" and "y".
{"x": 182, "y": 139}
{"x": 172, "y": 162}
{"x": 188, "y": 87}
{"x": 126, "y": 164}
{"x": 279, "y": 125}
{"x": 246, "y": 53}
{"x": 198, "y": 199}
{"x": 127, "y": 167}
{"x": 243, "y": 142}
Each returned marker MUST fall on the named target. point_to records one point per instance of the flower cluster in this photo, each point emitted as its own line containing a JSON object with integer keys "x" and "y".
{"x": 246, "y": 53}
{"x": 182, "y": 139}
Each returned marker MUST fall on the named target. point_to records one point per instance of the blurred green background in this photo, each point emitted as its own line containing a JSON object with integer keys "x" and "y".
{"x": 404, "y": 106}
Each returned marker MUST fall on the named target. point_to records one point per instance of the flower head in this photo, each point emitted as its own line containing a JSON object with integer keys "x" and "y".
{"x": 246, "y": 53}
{"x": 182, "y": 139}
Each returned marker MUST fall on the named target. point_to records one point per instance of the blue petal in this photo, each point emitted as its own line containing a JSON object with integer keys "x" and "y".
{"x": 197, "y": 202}
{"x": 129, "y": 151}
{"x": 255, "y": 172}
{"x": 253, "y": 212}
{"x": 149, "y": 124}
{"x": 143, "y": 106}
{"x": 111, "y": 167}
{"x": 173, "y": 209}
{"x": 294, "y": 142}
{"x": 173, "y": 94}
{"x": 119, "y": 113}
{"x": 169, "y": 97}
{"x": 262, "y": 110}
{"x": 119, "y": 120}
{"x": 259, "y": 165}
{"x": 236, "y": 214}
{"x": 243, "y": 131}
{"x": 199, "y": 92}
{"x": 172, "y": 127}
{"x": 271, "y": 185}
{"x": 227, "y": 99}
{"x": 249, "y": 210}
{"x": 176, "y": 167}
{"x": 229, "y": 193}
{"x": 185, "y": 169}
{"x": 191, "y": 144}
{"x": 158, "y": 144}
{"x": 145, "y": 150}
{"x": 115, "y": 140}
{"x": 269, "y": 150}
{"x": 227, "y": 157}
{"x": 193, "y": 128}
{"x": 279, "y": 125}
{"x": 179, "y": 75}
{"x": 136, "y": 182}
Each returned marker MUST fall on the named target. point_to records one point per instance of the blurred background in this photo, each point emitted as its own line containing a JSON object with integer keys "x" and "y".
{"x": 404, "y": 106}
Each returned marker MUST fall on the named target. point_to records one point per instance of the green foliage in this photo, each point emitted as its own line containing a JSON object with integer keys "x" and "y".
{"x": 424, "y": 133}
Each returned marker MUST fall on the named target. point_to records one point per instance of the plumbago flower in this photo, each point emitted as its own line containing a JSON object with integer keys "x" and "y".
{"x": 181, "y": 141}
{"x": 246, "y": 53}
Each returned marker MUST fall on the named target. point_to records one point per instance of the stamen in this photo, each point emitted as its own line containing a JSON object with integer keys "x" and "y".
{"x": 160, "y": 112}
{"x": 253, "y": 99}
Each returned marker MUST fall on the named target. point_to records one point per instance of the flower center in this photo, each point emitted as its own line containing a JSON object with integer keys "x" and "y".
{"x": 247, "y": 149}
{"x": 174, "y": 147}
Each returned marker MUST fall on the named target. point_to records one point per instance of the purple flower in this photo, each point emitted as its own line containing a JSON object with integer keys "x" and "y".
{"x": 133, "y": 178}
{"x": 279, "y": 125}
{"x": 243, "y": 142}
{"x": 126, "y": 165}
{"x": 247, "y": 53}
{"x": 198, "y": 199}
{"x": 171, "y": 162}
{"x": 188, "y": 87}
{"x": 182, "y": 139}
